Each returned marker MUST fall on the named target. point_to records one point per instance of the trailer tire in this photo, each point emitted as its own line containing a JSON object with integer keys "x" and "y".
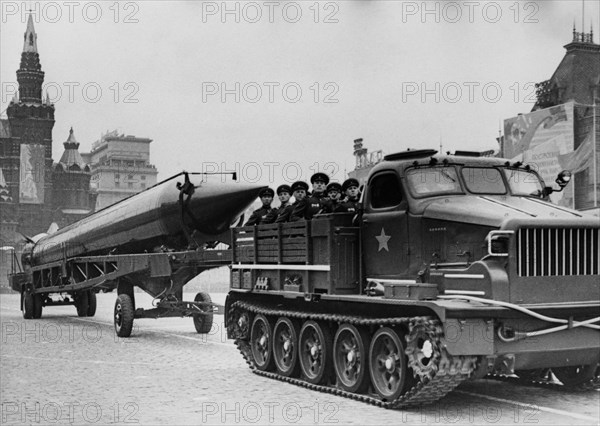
{"x": 82, "y": 303}
{"x": 38, "y": 305}
{"x": 92, "y": 303}
{"x": 27, "y": 305}
{"x": 203, "y": 323}
{"x": 123, "y": 317}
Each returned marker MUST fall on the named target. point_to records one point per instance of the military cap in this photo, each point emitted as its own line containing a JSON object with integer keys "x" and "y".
{"x": 334, "y": 186}
{"x": 322, "y": 177}
{"x": 284, "y": 188}
{"x": 266, "y": 192}
{"x": 348, "y": 183}
{"x": 299, "y": 185}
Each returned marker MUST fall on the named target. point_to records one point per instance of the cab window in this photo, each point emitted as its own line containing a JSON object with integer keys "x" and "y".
{"x": 483, "y": 180}
{"x": 384, "y": 191}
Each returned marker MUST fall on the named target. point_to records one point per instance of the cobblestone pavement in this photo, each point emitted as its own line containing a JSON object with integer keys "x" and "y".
{"x": 62, "y": 369}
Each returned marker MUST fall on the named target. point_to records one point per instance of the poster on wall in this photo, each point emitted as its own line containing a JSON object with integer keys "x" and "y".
{"x": 31, "y": 182}
{"x": 544, "y": 140}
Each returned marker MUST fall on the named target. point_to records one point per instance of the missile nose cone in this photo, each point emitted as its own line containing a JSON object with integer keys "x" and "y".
{"x": 213, "y": 207}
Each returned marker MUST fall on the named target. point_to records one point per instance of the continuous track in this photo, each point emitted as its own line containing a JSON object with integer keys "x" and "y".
{"x": 450, "y": 372}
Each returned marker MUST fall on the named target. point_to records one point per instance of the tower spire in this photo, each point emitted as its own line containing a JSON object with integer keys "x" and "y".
{"x": 30, "y": 37}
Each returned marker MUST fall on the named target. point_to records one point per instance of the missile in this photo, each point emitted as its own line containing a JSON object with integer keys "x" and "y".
{"x": 169, "y": 214}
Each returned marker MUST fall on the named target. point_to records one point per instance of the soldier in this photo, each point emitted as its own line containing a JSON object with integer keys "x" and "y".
{"x": 315, "y": 202}
{"x": 266, "y": 197}
{"x": 300, "y": 206}
{"x": 284, "y": 192}
{"x": 350, "y": 188}
{"x": 333, "y": 203}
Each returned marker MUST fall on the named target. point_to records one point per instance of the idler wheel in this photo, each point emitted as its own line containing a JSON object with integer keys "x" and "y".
{"x": 261, "y": 339}
{"x": 350, "y": 358}
{"x": 387, "y": 364}
{"x": 314, "y": 352}
{"x": 285, "y": 347}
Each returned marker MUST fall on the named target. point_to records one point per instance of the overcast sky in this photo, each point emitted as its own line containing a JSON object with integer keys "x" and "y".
{"x": 361, "y": 67}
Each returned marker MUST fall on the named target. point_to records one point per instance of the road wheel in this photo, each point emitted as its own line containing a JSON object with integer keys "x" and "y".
{"x": 82, "y": 303}
{"x": 314, "y": 351}
{"x": 123, "y": 315}
{"x": 350, "y": 358}
{"x": 387, "y": 364}
{"x": 203, "y": 323}
{"x": 27, "y": 304}
{"x": 92, "y": 303}
{"x": 578, "y": 377}
{"x": 261, "y": 337}
{"x": 285, "y": 347}
{"x": 38, "y": 305}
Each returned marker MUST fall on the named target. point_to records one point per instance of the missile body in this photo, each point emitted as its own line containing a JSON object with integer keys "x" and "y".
{"x": 152, "y": 218}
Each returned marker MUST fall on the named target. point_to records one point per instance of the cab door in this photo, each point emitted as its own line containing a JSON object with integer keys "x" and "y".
{"x": 385, "y": 227}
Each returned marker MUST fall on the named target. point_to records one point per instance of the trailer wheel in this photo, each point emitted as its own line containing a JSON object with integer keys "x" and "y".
{"x": 92, "y": 303}
{"x": 123, "y": 315}
{"x": 27, "y": 305}
{"x": 38, "y": 304}
{"x": 82, "y": 303}
{"x": 203, "y": 323}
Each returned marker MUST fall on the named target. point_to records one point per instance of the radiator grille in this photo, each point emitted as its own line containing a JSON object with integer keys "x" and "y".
{"x": 543, "y": 252}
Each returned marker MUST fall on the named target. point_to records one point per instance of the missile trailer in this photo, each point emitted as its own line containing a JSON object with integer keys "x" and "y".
{"x": 154, "y": 240}
{"x": 455, "y": 267}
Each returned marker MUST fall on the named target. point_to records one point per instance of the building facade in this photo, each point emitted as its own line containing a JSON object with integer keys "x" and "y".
{"x": 120, "y": 167}
{"x": 562, "y": 131}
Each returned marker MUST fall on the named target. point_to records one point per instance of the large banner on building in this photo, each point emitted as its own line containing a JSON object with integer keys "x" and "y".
{"x": 543, "y": 139}
{"x": 31, "y": 182}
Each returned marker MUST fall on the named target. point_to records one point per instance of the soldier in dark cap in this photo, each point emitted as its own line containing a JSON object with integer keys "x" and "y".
{"x": 266, "y": 197}
{"x": 317, "y": 198}
{"x": 333, "y": 202}
{"x": 300, "y": 206}
{"x": 350, "y": 189}
{"x": 284, "y": 192}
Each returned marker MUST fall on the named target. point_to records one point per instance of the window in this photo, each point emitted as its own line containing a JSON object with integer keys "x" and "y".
{"x": 523, "y": 182}
{"x": 429, "y": 181}
{"x": 117, "y": 184}
{"x": 130, "y": 185}
{"x": 384, "y": 191}
{"x": 143, "y": 177}
{"x": 130, "y": 177}
{"x": 117, "y": 176}
{"x": 143, "y": 185}
{"x": 482, "y": 180}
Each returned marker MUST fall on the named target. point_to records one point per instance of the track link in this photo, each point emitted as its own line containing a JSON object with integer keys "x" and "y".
{"x": 452, "y": 370}
{"x": 591, "y": 385}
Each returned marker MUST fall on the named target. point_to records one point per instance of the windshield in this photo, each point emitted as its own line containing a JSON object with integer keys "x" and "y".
{"x": 483, "y": 180}
{"x": 426, "y": 181}
{"x": 522, "y": 182}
